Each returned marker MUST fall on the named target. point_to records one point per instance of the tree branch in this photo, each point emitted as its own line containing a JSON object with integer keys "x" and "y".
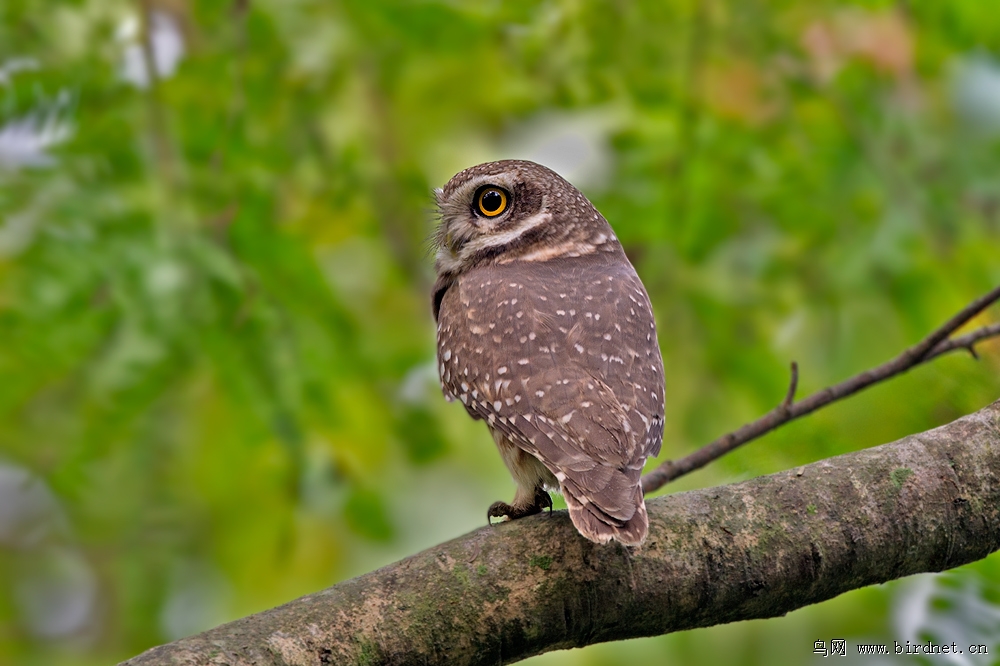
{"x": 934, "y": 345}
{"x": 756, "y": 549}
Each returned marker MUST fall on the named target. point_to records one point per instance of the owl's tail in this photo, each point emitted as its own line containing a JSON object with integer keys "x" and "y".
{"x": 629, "y": 525}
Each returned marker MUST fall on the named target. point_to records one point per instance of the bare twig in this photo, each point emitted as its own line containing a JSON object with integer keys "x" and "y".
{"x": 966, "y": 341}
{"x": 793, "y": 385}
{"x": 934, "y": 345}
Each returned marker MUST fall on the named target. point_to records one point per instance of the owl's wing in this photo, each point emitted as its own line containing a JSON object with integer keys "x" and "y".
{"x": 561, "y": 357}
{"x": 582, "y": 434}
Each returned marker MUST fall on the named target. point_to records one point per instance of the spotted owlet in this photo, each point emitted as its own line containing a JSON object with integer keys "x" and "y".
{"x": 545, "y": 332}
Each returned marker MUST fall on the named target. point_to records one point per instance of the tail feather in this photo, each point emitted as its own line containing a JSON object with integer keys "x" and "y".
{"x": 595, "y": 524}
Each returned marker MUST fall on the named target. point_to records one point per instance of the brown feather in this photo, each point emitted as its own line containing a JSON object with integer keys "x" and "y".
{"x": 566, "y": 407}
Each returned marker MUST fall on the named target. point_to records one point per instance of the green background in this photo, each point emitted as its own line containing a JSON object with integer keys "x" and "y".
{"x": 217, "y": 384}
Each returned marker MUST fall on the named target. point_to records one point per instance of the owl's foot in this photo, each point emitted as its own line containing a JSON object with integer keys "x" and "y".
{"x": 504, "y": 510}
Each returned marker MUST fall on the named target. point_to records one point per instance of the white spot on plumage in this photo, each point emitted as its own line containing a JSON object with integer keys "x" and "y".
{"x": 447, "y": 355}
{"x": 497, "y": 405}
{"x": 523, "y": 361}
{"x": 579, "y": 348}
{"x": 502, "y": 370}
{"x": 539, "y": 393}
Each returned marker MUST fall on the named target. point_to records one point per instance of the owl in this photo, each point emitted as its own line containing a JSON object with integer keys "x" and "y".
{"x": 545, "y": 332}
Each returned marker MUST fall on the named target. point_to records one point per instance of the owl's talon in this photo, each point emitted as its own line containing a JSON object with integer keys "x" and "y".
{"x": 499, "y": 510}
{"x": 503, "y": 510}
{"x": 542, "y": 500}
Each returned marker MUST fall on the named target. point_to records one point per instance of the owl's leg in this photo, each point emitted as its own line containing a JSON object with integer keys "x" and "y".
{"x": 531, "y": 477}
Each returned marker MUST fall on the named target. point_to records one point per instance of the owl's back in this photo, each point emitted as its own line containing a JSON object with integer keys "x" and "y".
{"x": 561, "y": 357}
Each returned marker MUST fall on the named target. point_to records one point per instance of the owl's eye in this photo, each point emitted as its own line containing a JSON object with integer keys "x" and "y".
{"x": 491, "y": 201}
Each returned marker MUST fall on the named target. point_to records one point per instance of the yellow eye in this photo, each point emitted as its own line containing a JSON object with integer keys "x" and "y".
{"x": 491, "y": 201}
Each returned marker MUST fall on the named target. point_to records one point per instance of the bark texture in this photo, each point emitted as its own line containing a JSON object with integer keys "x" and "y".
{"x": 755, "y": 549}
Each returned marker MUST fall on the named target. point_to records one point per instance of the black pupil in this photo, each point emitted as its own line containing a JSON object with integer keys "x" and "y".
{"x": 491, "y": 201}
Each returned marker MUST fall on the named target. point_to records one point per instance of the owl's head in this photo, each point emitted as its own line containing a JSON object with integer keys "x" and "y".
{"x": 513, "y": 210}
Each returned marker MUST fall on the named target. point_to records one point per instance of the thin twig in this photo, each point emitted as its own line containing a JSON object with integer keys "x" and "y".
{"x": 793, "y": 385}
{"x": 966, "y": 341}
{"x": 934, "y": 345}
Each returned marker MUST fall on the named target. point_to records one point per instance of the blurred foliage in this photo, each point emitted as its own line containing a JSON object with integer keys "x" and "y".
{"x": 215, "y": 341}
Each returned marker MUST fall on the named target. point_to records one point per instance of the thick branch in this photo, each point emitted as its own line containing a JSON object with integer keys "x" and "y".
{"x": 750, "y": 550}
{"x": 934, "y": 345}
